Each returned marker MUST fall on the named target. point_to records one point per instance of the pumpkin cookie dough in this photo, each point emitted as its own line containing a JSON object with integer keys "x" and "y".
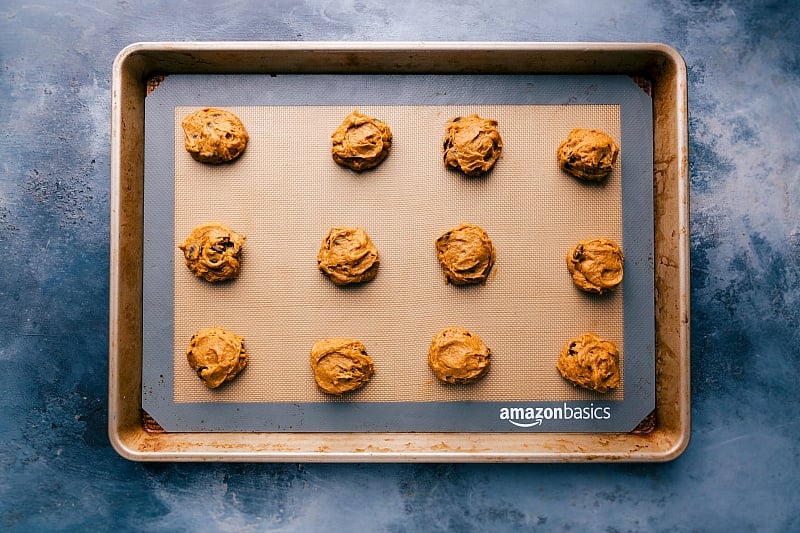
{"x": 596, "y": 265}
{"x": 361, "y": 142}
{"x": 217, "y": 355}
{"x": 466, "y": 254}
{"x": 591, "y": 362}
{"x": 472, "y": 144}
{"x": 340, "y": 365}
{"x": 588, "y": 154}
{"x": 457, "y": 355}
{"x": 214, "y": 135}
{"x": 347, "y": 256}
{"x": 212, "y": 251}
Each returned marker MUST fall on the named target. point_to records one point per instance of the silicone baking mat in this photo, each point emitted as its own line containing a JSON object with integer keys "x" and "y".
{"x": 285, "y": 191}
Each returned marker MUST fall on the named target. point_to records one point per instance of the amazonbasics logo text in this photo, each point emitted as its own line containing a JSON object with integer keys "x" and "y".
{"x": 526, "y": 417}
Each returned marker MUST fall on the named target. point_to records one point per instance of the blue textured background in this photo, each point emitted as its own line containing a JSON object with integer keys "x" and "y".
{"x": 740, "y": 472}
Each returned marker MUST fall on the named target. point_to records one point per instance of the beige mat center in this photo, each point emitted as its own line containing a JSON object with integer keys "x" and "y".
{"x": 285, "y": 192}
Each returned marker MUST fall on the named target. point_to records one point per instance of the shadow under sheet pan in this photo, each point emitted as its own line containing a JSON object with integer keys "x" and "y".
{"x": 285, "y": 191}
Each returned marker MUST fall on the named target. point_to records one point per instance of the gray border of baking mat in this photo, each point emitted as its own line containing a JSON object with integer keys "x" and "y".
{"x": 359, "y": 90}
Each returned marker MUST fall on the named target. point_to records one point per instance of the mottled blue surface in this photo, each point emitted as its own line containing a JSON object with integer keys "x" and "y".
{"x": 740, "y": 472}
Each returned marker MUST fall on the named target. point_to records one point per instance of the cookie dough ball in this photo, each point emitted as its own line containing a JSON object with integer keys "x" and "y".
{"x": 217, "y": 355}
{"x": 212, "y": 252}
{"x": 214, "y": 135}
{"x": 596, "y": 265}
{"x": 361, "y": 142}
{"x": 472, "y": 144}
{"x": 340, "y": 365}
{"x": 347, "y": 256}
{"x": 591, "y": 362}
{"x": 457, "y": 355}
{"x": 466, "y": 254}
{"x": 588, "y": 154}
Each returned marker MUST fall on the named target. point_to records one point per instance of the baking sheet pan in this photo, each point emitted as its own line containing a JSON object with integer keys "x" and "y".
{"x": 660, "y": 64}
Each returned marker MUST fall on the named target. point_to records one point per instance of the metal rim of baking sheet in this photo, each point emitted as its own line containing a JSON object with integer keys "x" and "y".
{"x": 658, "y": 63}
